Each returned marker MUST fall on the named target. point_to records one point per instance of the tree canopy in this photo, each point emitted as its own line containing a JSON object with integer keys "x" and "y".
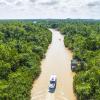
{"x": 83, "y": 38}
{"x": 22, "y": 46}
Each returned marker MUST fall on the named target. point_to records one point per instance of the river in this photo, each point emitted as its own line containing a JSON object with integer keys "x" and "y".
{"x": 57, "y": 61}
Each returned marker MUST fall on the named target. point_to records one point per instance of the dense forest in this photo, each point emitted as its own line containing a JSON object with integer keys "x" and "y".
{"x": 22, "y": 46}
{"x": 83, "y": 38}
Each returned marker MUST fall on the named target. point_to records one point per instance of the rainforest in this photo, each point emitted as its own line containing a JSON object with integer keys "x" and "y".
{"x": 22, "y": 46}
{"x": 24, "y": 43}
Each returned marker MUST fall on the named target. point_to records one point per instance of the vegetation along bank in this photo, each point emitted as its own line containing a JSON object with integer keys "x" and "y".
{"x": 22, "y": 46}
{"x": 83, "y": 38}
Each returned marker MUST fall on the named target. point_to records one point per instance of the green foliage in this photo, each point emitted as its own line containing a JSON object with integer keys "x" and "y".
{"x": 4, "y": 69}
{"x": 83, "y": 38}
{"x": 22, "y": 46}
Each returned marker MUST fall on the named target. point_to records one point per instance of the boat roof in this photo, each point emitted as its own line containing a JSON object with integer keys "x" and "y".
{"x": 53, "y": 77}
{"x": 74, "y": 61}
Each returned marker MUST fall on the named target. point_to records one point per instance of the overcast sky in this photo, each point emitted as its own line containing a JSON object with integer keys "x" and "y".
{"x": 24, "y": 9}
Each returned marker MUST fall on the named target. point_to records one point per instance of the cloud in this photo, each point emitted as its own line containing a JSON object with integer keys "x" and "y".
{"x": 19, "y": 3}
{"x": 2, "y": 4}
{"x": 93, "y": 4}
{"x": 74, "y": 10}
{"x": 49, "y": 3}
{"x": 33, "y": 1}
{"x": 10, "y": 1}
{"x": 49, "y": 9}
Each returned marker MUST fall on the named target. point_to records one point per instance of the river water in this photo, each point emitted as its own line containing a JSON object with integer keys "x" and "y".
{"x": 57, "y": 61}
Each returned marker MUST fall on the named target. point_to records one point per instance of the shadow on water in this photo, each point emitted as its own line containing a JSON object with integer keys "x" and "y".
{"x": 52, "y": 91}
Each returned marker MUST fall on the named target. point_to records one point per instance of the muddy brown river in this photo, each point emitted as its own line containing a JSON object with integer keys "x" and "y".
{"x": 57, "y": 61}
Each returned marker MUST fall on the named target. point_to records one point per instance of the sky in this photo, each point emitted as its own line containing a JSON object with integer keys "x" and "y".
{"x": 41, "y": 9}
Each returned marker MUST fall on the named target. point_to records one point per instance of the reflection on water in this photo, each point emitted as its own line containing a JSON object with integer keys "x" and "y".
{"x": 57, "y": 61}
